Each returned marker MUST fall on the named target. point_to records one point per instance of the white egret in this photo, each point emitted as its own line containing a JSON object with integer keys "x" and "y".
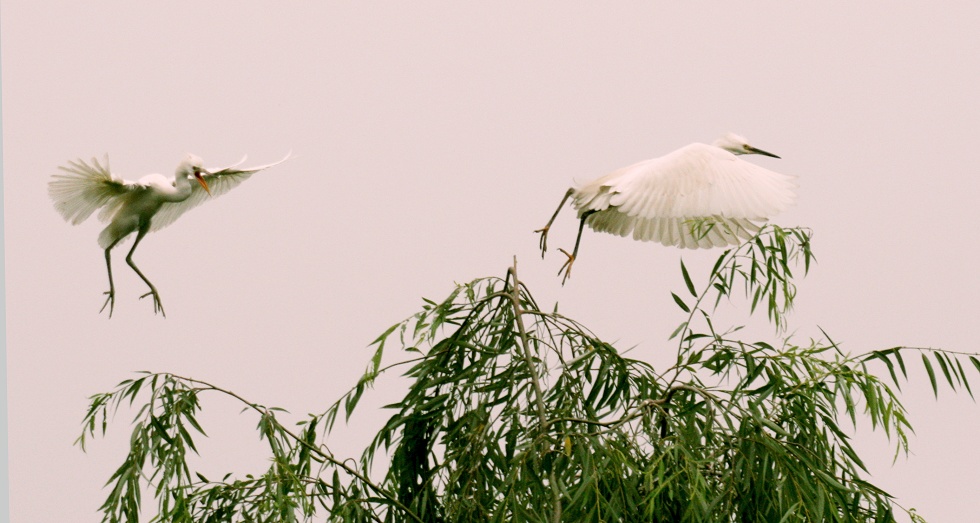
{"x": 698, "y": 196}
{"x": 146, "y": 205}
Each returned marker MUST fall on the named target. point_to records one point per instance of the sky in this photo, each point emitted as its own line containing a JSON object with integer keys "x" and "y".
{"x": 431, "y": 139}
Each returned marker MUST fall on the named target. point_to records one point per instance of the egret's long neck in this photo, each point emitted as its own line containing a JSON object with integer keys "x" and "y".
{"x": 182, "y": 187}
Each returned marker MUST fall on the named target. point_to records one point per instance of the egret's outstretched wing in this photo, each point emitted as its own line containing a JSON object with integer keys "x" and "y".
{"x": 697, "y": 196}
{"x": 219, "y": 182}
{"x": 686, "y": 233}
{"x": 86, "y": 187}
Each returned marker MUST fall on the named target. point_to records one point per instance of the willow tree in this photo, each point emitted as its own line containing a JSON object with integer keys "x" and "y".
{"x": 513, "y": 413}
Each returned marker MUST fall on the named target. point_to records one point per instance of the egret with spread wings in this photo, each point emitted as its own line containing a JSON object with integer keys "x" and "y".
{"x": 146, "y": 205}
{"x": 698, "y": 196}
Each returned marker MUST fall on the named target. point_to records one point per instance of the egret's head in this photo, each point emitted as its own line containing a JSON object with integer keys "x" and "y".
{"x": 736, "y": 144}
{"x": 194, "y": 166}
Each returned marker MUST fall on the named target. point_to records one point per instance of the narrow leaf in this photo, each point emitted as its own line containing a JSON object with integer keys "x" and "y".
{"x": 687, "y": 280}
{"x": 680, "y": 303}
{"x": 941, "y": 358}
{"x": 932, "y": 375}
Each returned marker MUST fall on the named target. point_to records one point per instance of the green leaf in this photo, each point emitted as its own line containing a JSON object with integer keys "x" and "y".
{"x": 160, "y": 429}
{"x": 680, "y": 303}
{"x": 932, "y": 375}
{"x": 901, "y": 361}
{"x": 687, "y": 280}
{"x": 941, "y": 358}
{"x": 883, "y": 356}
{"x": 829, "y": 479}
{"x": 677, "y": 331}
{"x": 962, "y": 376}
{"x": 718, "y": 262}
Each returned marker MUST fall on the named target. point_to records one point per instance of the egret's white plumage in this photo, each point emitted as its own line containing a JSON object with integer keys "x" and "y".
{"x": 149, "y": 204}
{"x": 698, "y": 196}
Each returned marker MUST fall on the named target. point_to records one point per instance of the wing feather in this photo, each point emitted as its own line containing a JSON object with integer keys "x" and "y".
{"x": 697, "y": 196}
{"x": 84, "y": 188}
{"x": 694, "y": 181}
{"x": 711, "y": 231}
{"x": 219, "y": 182}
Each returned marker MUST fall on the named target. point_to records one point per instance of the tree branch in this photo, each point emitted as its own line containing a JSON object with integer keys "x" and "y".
{"x": 536, "y": 382}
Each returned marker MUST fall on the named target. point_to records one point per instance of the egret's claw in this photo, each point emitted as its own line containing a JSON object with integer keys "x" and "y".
{"x": 567, "y": 267}
{"x": 157, "y": 304}
{"x": 110, "y": 301}
{"x": 543, "y": 242}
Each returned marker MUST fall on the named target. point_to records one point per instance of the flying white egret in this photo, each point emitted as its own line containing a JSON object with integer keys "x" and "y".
{"x": 698, "y": 196}
{"x": 149, "y": 204}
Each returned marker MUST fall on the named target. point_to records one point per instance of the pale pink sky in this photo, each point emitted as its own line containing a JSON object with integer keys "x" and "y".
{"x": 432, "y": 138}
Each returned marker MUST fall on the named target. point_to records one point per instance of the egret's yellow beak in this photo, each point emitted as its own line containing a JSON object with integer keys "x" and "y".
{"x": 200, "y": 180}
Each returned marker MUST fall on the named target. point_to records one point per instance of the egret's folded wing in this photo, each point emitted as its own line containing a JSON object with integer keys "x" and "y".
{"x": 86, "y": 187}
{"x": 219, "y": 182}
{"x": 701, "y": 181}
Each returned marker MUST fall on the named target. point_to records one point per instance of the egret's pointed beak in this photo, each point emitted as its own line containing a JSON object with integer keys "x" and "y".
{"x": 753, "y": 150}
{"x": 201, "y": 181}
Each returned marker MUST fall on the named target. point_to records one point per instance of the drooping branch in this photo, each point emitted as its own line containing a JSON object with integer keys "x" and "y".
{"x": 535, "y": 379}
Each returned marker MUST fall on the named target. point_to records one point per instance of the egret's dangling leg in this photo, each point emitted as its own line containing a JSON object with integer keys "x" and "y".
{"x": 157, "y": 305}
{"x": 543, "y": 242}
{"x": 111, "y": 300}
{"x": 567, "y": 267}
{"x": 110, "y": 237}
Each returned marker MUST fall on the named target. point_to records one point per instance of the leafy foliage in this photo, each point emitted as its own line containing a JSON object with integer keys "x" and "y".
{"x": 516, "y": 414}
